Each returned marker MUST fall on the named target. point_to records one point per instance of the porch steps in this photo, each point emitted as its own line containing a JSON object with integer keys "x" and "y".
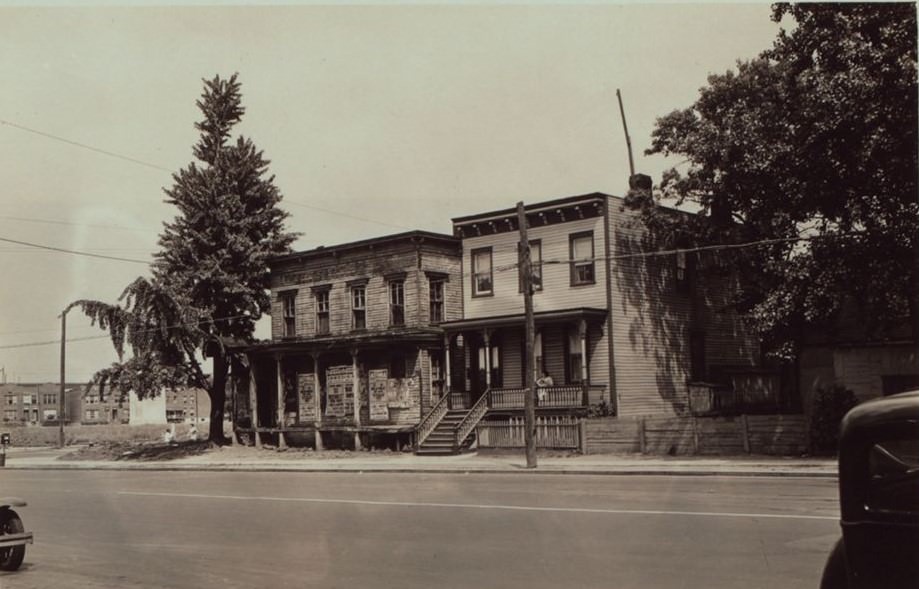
{"x": 440, "y": 441}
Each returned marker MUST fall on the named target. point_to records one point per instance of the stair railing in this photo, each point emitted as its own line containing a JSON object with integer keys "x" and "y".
{"x": 429, "y": 422}
{"x": 472, "y": 419}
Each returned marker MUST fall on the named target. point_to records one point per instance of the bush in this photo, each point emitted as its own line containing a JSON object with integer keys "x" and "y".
{"x": 829, "y": 407}
{"x": 601, "y": 409}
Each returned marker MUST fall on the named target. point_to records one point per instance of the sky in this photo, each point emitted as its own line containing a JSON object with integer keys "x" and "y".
{"x": 377, "y": 119}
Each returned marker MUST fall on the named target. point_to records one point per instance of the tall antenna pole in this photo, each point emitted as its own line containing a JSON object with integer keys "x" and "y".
{"x": 628, "y": 142}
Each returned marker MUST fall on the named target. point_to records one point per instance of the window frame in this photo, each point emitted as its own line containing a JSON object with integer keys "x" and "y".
{"x": 323, "y": 312}
{"x": 358, "y": 311}
{"x": 475, "y": 273}
{"x": 396, "y": 289}
{"x": 435, "y": 284}
{"x": 575, "y": 264}
{"x": 535, "y": 267}
{"x": 288, "y": 300}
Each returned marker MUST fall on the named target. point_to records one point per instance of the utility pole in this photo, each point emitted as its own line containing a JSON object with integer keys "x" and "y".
{"x": 60, "y": 408}
{"x": 529, "y": 399}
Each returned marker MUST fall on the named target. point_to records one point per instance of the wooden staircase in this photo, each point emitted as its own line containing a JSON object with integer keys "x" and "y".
{"x": 441, "y": 440}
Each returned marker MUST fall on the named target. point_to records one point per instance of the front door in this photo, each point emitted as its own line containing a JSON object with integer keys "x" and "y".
{"x": 479, "y": 363}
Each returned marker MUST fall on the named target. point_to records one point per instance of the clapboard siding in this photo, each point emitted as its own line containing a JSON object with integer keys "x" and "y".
{"x": 598, "y": 353}
{"x": 650, "y": 320}
{"x": 512, "y": 355}
{"x": 557, "y": 292}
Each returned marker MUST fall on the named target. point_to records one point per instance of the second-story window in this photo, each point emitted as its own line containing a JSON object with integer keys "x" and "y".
{"x": 535, "y": 265}
{"x": 322, "y": 312}
{"x": 437, "y": 300}
{"x": 582, "y": 258}
{"x": 397, "y": 302}
{"x": 359, "y": 307}
{"x": 482, "y": 284}
{"x": 289, "y": 313}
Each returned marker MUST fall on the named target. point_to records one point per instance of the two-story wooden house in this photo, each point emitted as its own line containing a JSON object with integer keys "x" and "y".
{"x": 356, "y": 352}
{"x": 617, "y": 327}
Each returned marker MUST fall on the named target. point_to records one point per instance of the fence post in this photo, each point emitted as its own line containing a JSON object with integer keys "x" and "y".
{"x": 695, "y": 435}
{"x": 642, "y": 436}
{"x": 582, "y": 431}
{"x": 745, "y": 432}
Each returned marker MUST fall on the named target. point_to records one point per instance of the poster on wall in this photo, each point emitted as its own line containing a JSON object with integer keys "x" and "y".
{"x": 340, "y": 395}
{"x": 305, "y": 388}
{"x": 378, "y": 380}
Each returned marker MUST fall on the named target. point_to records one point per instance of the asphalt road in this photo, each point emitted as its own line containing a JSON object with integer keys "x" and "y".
{"x": 180, "y": 530}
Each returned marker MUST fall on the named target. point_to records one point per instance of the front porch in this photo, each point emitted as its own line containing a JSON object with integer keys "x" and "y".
{"x": 353, "y": 392}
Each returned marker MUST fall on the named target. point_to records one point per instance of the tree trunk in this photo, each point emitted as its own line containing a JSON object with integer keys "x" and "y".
{"x": 218, "y": 395}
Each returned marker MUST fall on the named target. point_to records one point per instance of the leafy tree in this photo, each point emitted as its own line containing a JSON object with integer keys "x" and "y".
{"x": 210, "y": 278}
{"x": 815, "y": 138}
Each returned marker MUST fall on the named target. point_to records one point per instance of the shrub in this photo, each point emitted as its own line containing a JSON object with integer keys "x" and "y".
{"x": 601, "y": 409}
{"x": 829, "y": 407}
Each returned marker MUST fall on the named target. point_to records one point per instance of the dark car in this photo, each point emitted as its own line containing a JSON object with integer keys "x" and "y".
{"x": 878, "y": 497}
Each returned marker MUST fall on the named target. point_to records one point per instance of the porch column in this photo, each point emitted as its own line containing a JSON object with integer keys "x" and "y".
{"x": 253, "y": 403}
{"x": 582, "y": 341}
{"x": 419, "y": 370}
{"x": 356, "y": 384}
{"x": 282, "y": 442}
{"x": 447, "y": 380}
{"x": 317, "y": 401}
{"x": 486, "y": 336}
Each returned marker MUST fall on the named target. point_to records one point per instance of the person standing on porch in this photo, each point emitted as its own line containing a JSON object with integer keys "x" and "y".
{"x": 544, "y": 381}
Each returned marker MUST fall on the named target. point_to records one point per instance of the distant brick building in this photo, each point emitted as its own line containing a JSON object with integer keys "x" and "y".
{"x": 38, "y": 403}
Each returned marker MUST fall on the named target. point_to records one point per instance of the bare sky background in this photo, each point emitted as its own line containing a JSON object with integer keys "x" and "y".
{"x": 396, "y": 117}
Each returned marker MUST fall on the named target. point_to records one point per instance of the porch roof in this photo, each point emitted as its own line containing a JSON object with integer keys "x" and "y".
{"x": 337, "y": 342}
{"x": 541, "y": 317}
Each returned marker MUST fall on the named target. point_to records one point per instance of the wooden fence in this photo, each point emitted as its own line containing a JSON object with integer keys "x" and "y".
{"x": 555, "y": 432}
{"x": 744, "y": 434}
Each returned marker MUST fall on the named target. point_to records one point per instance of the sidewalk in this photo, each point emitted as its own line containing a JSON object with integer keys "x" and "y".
{"x": 250, "y": 459}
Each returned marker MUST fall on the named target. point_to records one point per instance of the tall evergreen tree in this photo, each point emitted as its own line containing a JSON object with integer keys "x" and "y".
{"x": 210, "y": 278}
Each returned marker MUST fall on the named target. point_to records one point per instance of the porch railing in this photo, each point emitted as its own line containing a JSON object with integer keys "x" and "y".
{"x": 429, "y": 422}
{"x": 472, "y": 419}
{"x": 556, "y": 397}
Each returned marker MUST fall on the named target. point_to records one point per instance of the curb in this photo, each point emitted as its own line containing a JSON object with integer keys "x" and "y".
{"x": 463, "y": 471}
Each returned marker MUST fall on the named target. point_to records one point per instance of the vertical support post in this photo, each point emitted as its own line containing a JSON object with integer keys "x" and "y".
{"x": 253, "y": 402}
{"x": 356, "y": 384}
{"x": 582, "y": 343}
{"x": 282, "y": 442}
{"x": 317, "y": 402}
{"x": 448, "y": 387}
{"x": 695, "y": 434}
{"x": 486, "y": 336}
{"x": 526, "y": 276}
{"x": 745, "y": 432}
{"x": 642, "y": 436}
{"x": 582, "y": 431}
{"x": 60, "y": 416}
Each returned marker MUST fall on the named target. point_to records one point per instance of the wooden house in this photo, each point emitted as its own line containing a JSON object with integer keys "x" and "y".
{"x": 356, "y": 353}
{"x": 620, "y": 330}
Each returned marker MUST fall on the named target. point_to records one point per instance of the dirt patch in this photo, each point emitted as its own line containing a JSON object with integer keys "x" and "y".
{"x": 140, "y": 452}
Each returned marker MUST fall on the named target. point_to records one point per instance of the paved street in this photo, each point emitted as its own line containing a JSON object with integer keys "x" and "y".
{"x": 233, "y": 529}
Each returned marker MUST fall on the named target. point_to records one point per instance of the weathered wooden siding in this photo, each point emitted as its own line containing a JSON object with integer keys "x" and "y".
{"x": 375, "y": 266}
{"x": 613, "y": 436}
{"x": 512, "y": 355}
{"x": 650, "y": 319}
{"x": 557, "y": 292}
{"x": 553, "y": 349}
{"x": 598, "y": 356}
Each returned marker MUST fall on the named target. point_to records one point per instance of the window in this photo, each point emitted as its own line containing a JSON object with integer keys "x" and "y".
{"x": 397, "y": 366}
{"x": 9, "y": 415}
{"x": 581, "y": 246}
{"x": 49, "y": 399}
{"x": 481, "y": 273}
{"x": 27, "y": 399}
{"x": 437, "y": 300}
{"x": 397, "y": 302}
{"x": 535, "y": 265}
{"x": 322, "y": 312}
{"x": 359, "y": 307}
{"x": 575, "y": 360}
{"x": 683, "y": 268}
{"x": 289, "y": 313}
{"x": 10, "y": 399}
